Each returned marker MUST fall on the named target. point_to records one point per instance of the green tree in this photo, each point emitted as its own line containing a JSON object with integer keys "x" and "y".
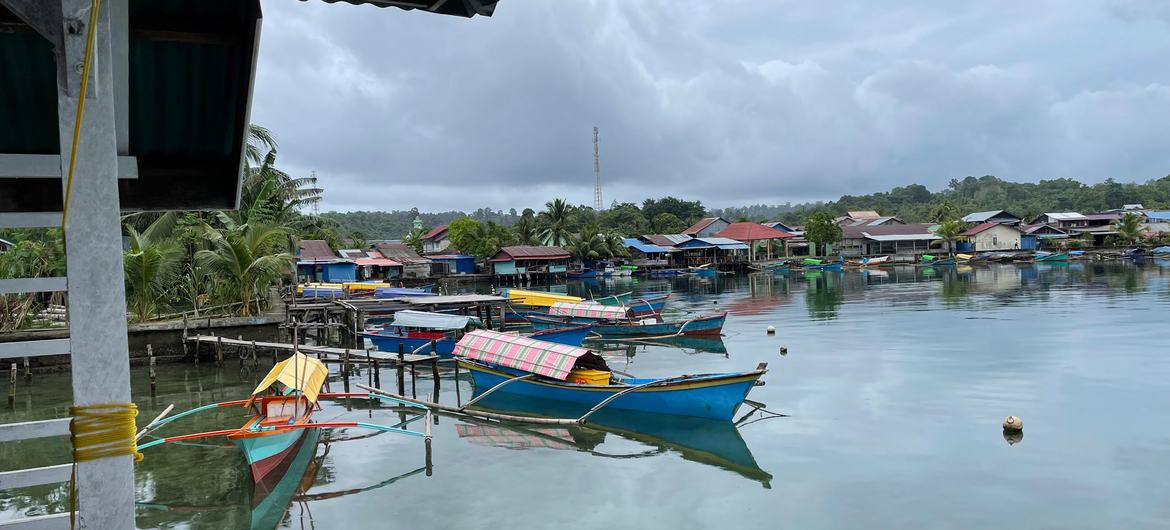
{"x": 527, "y": 231}
{"x": 942, "y": 211}
{"x": 588, "y": 246}
{"x": 151, "y": 266}
{"x": 819, "y": 229}
{"x": 687, "y": 211}
{"x": 554, "y": 221}
{"x": 413, "y": 239}
{"x": 358, "y": 240}
{"x": 35, "y": 254}
{"x": 481, "y": 240}
{"x": 949, "y": 231}
{"x": 1129, "y": 228}
{"x": 245, "y": 261}
{"x": 667, "y": 223}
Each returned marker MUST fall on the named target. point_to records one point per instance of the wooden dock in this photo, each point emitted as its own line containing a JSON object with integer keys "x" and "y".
{"x": 346, "y": 357}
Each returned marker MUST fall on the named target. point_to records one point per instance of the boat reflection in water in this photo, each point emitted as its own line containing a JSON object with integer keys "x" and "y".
{"x": 689, "y": 344}
{"x": 274, "y": 496}
{"x": 710, "y": 442}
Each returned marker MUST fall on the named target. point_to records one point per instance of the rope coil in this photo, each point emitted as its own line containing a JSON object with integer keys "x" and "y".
{"x": 100, "y": 431}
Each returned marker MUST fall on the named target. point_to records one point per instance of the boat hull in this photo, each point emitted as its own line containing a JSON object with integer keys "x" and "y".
{"x": 712, "y": 325}
{"x": 266, "y": 451}
{"x": 717, "y": 397}
{"x": 390, "y": 342}
{"x": 573, "y": 336}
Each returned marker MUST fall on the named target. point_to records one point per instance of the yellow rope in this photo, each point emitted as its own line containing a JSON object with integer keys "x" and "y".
{"x": 100, "y": 431}
{"x": 89, "y": 39}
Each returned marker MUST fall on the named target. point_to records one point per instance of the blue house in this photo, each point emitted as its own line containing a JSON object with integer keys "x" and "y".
{"x": 316, "y": 262}
{"x": 447, "y": 264}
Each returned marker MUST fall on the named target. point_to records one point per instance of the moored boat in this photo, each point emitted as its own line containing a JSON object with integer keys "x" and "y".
{"x": 572, "y": 336}
{"x": 611, "y": 321}
{"x": 542, "y": 370}
{"x": 580, "y": 274}
{"x": 414, "y": 331}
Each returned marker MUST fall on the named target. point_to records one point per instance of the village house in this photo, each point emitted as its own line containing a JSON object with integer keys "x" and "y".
{"x": 449, "y": 264}
{"x": 413, "y": 265}
{"x": 372, "y": 265}
{"x": 866, "y": 218}
{"x": 1036, "y": 237}
{"x": 903, "y": 242}
{"x": 1061, "y": 220}
{"x": 755, "y": 235}
{"x": 989, "y": 236}
{"x": 707, "y": 227}
{"x": 712, "y": 250}
{"x": 647, "y": 255}
{"x": 436, "y": 240}
{"x": 529, "y": 259}
{"x": 993, "y": 216}
{"x": 316, "y": 262}
{"x": 6, "y": 245}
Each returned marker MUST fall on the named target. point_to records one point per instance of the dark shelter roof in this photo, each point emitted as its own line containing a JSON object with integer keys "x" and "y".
{"x": 459, "y": 8}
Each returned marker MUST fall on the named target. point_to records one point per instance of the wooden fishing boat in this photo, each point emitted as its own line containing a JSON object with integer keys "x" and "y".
{"x": 1051, "y": 257}
{"x": 572, "y": 336}
{"x": 414, "y": 331}
{"x": 812, "y": 264}
{"x": 870, "y": 262}
{"x": 611, "y": 321}
{"x": 775, "y": 268}
{"x": 542, "y": 371}
{"x": 647, "y": 304}
{"x": 402, "y": 292}
{"x": 577, "y": 274}
{"x": 282, "y": 408}
{"x": 521, "y": 297}
{"x": 613, "y": 299}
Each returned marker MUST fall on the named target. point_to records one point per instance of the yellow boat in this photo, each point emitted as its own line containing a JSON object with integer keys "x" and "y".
{"x": 538, "y": 298}
{"x": 352, "y": 287}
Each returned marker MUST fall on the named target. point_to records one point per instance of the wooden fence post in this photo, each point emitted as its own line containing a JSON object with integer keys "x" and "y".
{"x": 153, "y": 374}
{"x": 12, "y": 386}
{"x": 400, "y": 368}
{"x": 27, "y": 371}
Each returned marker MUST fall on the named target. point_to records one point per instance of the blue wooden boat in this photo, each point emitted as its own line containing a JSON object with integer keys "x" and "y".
{"x": 413, "y": 331}
{"x": 543, "y": 371}
{"x": 704, "y": 325}
{"x": 1051, "y": 257}
{"x": 581, "y": 273}
{"x": 648, "y": 304}
{"x": 402, "y": 292}
{"x": 572, "y": 336}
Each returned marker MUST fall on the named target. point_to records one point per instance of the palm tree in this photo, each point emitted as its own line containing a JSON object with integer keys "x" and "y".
{"x": 588, "y": 246}
{"x": 555, "y": 221}
{"x": 151, "y": 266}
{"x": 526, "y": 230}
{"x": 258, "y": 137}
{"x": 943, "y": 211}
{"x": 244, "y": 260}
{"x": 1129, "y": 227}
{"x": 949, "y": 231}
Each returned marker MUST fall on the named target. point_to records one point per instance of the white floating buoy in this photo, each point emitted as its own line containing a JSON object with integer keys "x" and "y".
{"x": 771, "y": 330}
{"x": 1013, "y": 423}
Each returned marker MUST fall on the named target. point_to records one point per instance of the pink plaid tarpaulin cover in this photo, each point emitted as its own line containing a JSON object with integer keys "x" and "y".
{"x": 588, "y": 310}
{"x": 522, "y": 353}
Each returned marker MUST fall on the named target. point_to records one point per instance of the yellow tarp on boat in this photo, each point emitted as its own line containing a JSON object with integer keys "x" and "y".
{"x": 299, "y": 372}
{"x": 319, "y": 285}
{"x": 350, "y": 286}
{"x": 539, "y": 298}
{"x": 963, "y": 256}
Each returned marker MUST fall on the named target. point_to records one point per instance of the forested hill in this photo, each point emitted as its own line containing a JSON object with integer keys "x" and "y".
{"x": 913, "y": 203}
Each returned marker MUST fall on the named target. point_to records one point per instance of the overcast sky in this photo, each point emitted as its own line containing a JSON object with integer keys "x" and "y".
{"x": 736, "y": 102}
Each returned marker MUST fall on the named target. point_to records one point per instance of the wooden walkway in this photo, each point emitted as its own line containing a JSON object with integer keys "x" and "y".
{"x": 354, "y": 356}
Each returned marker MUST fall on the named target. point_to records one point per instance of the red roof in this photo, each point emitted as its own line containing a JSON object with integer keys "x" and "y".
{"x": 702, "y": 224}
{"x": 316, "y": 250}
{"x": 980, "y": 228}
{"x": 751, "y": 232}
{"x": 532, "y": 253}
{"x": 434, "y": 233}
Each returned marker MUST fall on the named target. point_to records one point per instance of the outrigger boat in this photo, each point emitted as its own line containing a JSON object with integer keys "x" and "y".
{"x": 867, "y": 262}
{"x": 612, "y": 321}
{"x": 1048, "y": 256}
{"x": 414, "y": 331}
{"x": 813, "y": 264}
{"x": 541, "y": 370}
{"x": 282, "y": 408}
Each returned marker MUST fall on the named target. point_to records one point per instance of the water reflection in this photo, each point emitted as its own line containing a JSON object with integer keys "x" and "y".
{"x": 824, "y": 294}
{"x": 714, "y": 443}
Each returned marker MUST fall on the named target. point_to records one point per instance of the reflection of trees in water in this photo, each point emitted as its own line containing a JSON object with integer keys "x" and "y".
{"x": 955, "y": 286}
{"x": 823, "y": 296}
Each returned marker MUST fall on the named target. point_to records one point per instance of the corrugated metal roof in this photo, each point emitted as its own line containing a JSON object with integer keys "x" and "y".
{"x": 903, "y": 237}
{"x": 400, "y": 253}
{"x": 859, "y": 232}
{"x": 751, "y": 232}
{"x": 435, "y": 232}
{"x": 1158, "y": 215}
{"x": 863, "y": 214}
{"x": 645, "y": 248}
{"x": 1065, "y": 216}
{"x": 702, "y": 224}
{"x": 377, "y": 262}
{"x": 529, "y": 252}
{"x": 980, "y": 217}
{"x": 316, "y": 250}
{"x": 449, "y": 256}
{"x": 707, "y": 242}
{"x": 975, "y": 230}
{"x": 1103, "y": 216}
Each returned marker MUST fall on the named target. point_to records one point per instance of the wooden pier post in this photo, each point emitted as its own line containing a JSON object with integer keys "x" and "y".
{"x": 458, "y": 399}
{"x": 435, "y": 374}
{"x": 153, "y": 374}
{"x": 184, "y": 335}
{"x": 27, "y": 371}
{"x": 427, "y": 438}
{"x": 400, "y": 368}
{"x": 242, "y": 357}
{"x": 12, "y": 386}
{"x": 197, "y": 343}
{"x": 413, "y": 381}
{"x": 345, "y": 370}
{"x": 219, "y": 351}
{"x": 255, "y": 361}
{"x": 377, "y": 374}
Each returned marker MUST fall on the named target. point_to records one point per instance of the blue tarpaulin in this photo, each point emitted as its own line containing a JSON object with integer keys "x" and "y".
{"x": 645, "y": 248}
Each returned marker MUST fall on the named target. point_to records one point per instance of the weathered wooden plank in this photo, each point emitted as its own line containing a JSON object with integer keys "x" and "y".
{"x": 28, "y": 430}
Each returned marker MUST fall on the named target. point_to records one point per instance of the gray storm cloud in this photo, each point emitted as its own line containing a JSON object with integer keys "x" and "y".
{"x": 727, "y": 102}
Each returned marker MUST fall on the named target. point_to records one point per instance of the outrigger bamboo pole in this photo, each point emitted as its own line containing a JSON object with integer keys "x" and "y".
{"x": 474, "y": 413}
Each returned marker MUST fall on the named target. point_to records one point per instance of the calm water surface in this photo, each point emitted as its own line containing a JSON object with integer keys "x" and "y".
{"x": 894, "y": 387}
